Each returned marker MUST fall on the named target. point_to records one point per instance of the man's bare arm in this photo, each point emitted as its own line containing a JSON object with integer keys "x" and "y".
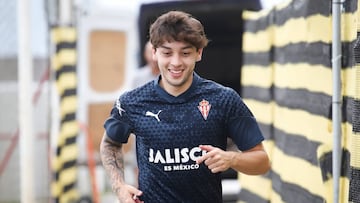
{"x": 113, "y": 161}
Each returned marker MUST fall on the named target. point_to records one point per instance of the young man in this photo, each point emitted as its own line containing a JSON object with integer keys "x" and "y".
{"x": 181, "y": 122}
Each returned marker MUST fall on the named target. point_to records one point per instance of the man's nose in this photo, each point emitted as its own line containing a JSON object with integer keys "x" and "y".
{"x": 175, "y": 60}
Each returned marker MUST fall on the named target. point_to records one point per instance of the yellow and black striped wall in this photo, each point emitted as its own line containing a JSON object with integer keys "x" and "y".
{"x": 286, "y": 80}
{"x": 64, "y": 161}
{"x": 354, "y": 191}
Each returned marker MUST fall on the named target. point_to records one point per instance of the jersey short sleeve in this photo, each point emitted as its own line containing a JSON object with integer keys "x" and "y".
{"x": 243, "y": 128}
{"x": 117, "y": 126}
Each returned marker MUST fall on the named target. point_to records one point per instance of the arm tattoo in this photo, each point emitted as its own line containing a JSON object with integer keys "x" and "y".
{"x": 113, "y": 162}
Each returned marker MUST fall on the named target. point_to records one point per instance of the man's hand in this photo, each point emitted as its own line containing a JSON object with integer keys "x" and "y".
{"x": 216, "y": 159}
{"x": 129, "y": 194}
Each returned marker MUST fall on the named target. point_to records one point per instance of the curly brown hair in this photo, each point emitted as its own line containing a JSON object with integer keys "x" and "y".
{"x": 178, "y": 26}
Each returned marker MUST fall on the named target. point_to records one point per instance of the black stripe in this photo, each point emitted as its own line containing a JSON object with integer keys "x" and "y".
{"x": 71, "y": 140}
{"x": 313, "y": 102}
{"x": 313, "y": 53}
{"x": 289, "y": 144}
{"x": 69, "y": 187}
{"x": 68, "y": 117}
{"x": 58, "y": 150}
{"x": 350, "y": 6}
{"x": 69, "y": 164}
{"x": 267, "y": 130}
{"x": 65, "y": 45}
{"x": 66, "y": 165}
{"x": 68, "y": 93}
{"x": 356, "y": 115}
{"x": 248, "y": 196}
{"x": 67, "y": 68}
{"x": 293, "y": 193}
{"x": 354, "y": 190}
{"x": 348, "y": 54}
{"x": 297, "y": 9}
{"x": 56, "y": 175}
{"x": 347, "y": 109}
{"x": 258, "y": 93}
{"x": 325, "y": 162}
{"x": 316, "y": 53}
{"x": 357, "y": 48}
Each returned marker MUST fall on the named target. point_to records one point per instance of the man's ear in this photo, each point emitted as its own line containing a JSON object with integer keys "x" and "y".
{"x": 199, "y": 51}
{"x": 153, "y": 51}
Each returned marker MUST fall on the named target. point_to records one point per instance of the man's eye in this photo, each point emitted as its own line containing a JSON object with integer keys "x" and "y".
{"x": 166, "y": 53}
{"x": 186, "y": 53}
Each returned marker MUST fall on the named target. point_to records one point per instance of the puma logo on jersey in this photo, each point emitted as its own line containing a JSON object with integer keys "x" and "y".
{"x": 151, "y": 114}
{"x": 118, "y": 106}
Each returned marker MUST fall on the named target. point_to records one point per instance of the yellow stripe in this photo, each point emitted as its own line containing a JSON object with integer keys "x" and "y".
{"x": 63, "y": 34}
{"x": 64, "y": 57}
{"x": 355, "y": 151}
{"x": 56, "y": 163}
{"x": 269, "y": 146}
{"x": 315, "y": 32}
{"x": 348, "y": 81}
{"x": 313, "y": 127}
{"x": 316, "y": 28}
{"x": 69, "y": 153}
{"x": 64, "y": 197}
{"x": 252, "y": 184}
{"x": 55, "y": 189}
{"x": 260, "y": 41}
{"x": 66, "y": 81}
{"x": 343, "y": 190}
{"x": 314, "y": 78}
{"x": 348, "y": 30}
{"x": 358, "y": 17}
{"x": 263, "y": 112}
{"x": 299, "y": 122}
{"x": 253, "y": 75}
{"x": 68, "y": 105}
{"x": 68, "y": 176}
{"x": 275, "y": 197}
{"x": 67, "y": 130}
{"x": 357, "y": 81}
{"x": 309, "y": 177}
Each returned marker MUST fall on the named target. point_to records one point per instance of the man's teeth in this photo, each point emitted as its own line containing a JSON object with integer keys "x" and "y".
{"x": 176, "y": 71}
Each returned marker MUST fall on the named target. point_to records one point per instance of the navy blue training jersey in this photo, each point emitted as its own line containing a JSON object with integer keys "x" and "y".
{"x": 169, "y": 131}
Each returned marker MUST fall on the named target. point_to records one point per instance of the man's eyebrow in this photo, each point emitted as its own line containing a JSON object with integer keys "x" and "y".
{"x": 165, "y": 47}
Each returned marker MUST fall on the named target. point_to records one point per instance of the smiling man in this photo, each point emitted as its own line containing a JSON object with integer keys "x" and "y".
{"x": 181, "y": 122}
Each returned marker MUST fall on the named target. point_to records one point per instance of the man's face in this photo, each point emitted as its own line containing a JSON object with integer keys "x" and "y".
{"x": 176, "y": 62}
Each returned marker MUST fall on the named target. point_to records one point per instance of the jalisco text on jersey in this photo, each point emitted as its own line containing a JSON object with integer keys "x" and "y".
{"x": 176, "y": 155}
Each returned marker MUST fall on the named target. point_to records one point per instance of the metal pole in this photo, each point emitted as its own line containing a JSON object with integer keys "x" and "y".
{"x": 65, "y": 12}
{"x": 26, "y": 139}
{"x": 336, "y": 98}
